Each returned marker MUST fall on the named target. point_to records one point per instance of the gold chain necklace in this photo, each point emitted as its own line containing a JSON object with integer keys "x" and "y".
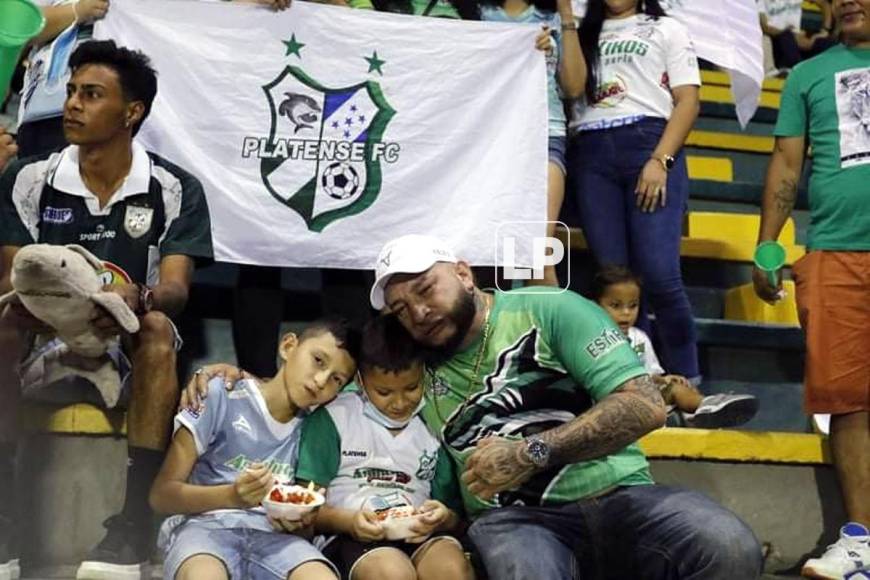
{"x": 481, "y": 352}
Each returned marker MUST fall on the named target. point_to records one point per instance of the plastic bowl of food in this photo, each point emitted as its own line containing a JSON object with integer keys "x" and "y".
{"x": 291, "y": 502}
{"x": 397, "y": 522}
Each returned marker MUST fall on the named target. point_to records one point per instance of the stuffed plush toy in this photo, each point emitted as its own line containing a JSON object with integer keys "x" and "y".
{"x": 61, "y": 286}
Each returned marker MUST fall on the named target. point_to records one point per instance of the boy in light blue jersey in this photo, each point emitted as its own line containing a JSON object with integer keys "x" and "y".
{"x": 226, "y": 455}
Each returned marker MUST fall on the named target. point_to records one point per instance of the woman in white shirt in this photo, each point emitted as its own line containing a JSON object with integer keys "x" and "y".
{"x": 627, "y": 168}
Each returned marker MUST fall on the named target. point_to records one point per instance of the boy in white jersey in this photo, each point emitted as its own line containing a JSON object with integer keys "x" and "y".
{"x": 226, "y": 455}
{"x": 372, "y": 452}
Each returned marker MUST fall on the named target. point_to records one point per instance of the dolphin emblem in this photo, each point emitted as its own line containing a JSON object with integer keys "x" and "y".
{"x": 302, "y": 110}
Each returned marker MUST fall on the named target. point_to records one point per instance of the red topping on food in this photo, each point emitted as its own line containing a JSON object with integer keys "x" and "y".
{"x": 396, "y": 513}
{"x": 294, "y": 497}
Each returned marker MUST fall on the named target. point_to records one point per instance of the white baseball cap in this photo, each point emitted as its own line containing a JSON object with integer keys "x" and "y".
{"x": 409, "y": 254}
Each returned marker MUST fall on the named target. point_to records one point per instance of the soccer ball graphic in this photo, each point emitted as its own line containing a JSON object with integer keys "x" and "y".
{"x": 340, "y": 180}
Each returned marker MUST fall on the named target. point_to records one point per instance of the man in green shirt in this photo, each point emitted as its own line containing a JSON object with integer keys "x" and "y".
{"x": 540, "y": 400}
{"x": 826, "y": 105}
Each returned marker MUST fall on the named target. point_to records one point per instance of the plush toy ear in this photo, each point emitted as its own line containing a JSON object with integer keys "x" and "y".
{"x": 9, "y": 298}
{"x": 94, "y": 261}
{"x": 119, "y": 310}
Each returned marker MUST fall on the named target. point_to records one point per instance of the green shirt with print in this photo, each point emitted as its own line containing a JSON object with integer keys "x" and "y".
{"x": 827, "y": 99}
{"x": 547, "y": 359}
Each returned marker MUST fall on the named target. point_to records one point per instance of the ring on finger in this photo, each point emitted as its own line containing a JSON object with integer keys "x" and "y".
{"x": 198, "y": 371}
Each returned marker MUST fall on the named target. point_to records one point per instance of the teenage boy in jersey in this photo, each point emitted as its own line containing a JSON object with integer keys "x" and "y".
{"x": 372, "y": 452}
{"x": 226, "y": 456}
{"x": 148, "y": 221}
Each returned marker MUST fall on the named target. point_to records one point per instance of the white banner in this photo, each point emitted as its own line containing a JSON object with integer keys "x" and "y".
{"x": 320, "y": 132}
{"x": 728, "y": 34}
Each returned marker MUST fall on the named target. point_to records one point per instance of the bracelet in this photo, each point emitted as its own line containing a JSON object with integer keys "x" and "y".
{"x": 569, "y": 26}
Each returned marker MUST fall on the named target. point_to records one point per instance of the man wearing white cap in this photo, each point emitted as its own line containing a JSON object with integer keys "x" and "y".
{"x": 540, "y": 401}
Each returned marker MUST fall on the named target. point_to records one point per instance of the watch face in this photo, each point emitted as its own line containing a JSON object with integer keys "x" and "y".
{"x": 670, "y": 162}
{"x": 539, "y": 452}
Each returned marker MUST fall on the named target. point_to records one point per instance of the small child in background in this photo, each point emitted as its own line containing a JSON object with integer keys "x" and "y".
{"x": 226, "y": 456}
{"x": 617, "y": 290}
{"x": 372, "y": 452}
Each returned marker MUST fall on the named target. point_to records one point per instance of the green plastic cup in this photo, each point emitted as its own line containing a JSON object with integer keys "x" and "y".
{"x": 770, "y": 258}
{"x": 20, "y": 21}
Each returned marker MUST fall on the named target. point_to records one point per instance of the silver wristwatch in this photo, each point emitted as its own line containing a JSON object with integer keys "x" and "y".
{"x": 537, "y": 451}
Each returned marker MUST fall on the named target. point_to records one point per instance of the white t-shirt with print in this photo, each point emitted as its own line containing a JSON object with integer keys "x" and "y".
{"x": 366, "y": 466}
{"x": 781, "y": 13}
{"x": 641, "y": 59}
{"x": 642, "y": 345}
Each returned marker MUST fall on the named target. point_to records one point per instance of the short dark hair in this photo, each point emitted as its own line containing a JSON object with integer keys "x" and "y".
{"x": 346, "y": 335}
{"x": 138, "y": 78}
{"x": 610, "y": 275}
{"x": 388, "y": 346}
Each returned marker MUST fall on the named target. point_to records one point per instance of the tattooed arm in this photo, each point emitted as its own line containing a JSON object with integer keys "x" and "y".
{"x": 621, "y": 418}
{"x": 780, "y": 193}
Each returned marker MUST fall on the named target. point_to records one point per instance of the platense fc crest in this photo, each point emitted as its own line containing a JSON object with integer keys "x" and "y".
{"x": 324, "y": 152}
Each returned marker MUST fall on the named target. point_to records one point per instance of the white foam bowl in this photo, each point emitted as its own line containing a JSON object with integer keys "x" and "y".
{"x": 399, "y": 528}
{"x": 291, "y": 511}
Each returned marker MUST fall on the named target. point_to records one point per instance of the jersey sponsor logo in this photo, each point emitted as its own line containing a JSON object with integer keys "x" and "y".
{"x": 622, "y": 47}
{"x": 137, "y": 220}
{"x": 426, "y": 468}
{"x": 609, "y": 339}
{"x": 57, "y": 215}
{"x": 610, "y": 123}
{"x": 241, "y": 424}
{"x": 610, "y": 93}
{"x": 113, "y": 274}
{"x": 99, "y": 233}
{"x": 371, "y": 474}
{"x": 354, "y": 453}
{"x": 281, "y": 471}
{"x": 193, "y": 413}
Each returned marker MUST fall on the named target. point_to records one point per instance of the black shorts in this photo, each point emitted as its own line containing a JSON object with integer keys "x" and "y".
{"x": 345, "y": 552}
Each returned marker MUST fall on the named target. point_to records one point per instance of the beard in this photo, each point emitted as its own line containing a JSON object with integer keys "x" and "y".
{"x": 461, "y": 315}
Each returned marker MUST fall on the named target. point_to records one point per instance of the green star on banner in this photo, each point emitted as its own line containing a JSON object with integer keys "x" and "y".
{"x": 293, "y": 46}
{"x": 375, "y": 63}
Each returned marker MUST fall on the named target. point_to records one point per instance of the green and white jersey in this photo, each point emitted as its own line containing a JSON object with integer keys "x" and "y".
{"x": 548, "y": 359}
{"x": 361, "y": 463}
{"x": 159, "y": 210}
{"x": 826, "y": 99}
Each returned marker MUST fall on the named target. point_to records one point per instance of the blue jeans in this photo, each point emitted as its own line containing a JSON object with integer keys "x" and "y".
{"x": 652, "y": 532}
{"x": 605, "y": 166}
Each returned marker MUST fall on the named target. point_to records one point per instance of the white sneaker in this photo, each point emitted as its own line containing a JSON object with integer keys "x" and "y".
{"x": 725, "y": 410}
{"x": 10, "y": 570}
{"x": 822, "y": 423}
{"x": 848, "y": 558}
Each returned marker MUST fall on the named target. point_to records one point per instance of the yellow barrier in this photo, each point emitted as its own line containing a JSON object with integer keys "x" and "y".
{"x": 729, "y": 227}
{"x": 722, "y": 94}
{"x": 741, "y": 303}
{"x": 734, "y": 251}
{"x": 730, "y": 141}
{"x": 737, "y": 446}
{"x": 710, "y": 168}
{"x": 714, "y": 77}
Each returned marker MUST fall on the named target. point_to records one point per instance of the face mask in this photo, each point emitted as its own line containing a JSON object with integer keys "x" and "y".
{"x": 373, "y": 413}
